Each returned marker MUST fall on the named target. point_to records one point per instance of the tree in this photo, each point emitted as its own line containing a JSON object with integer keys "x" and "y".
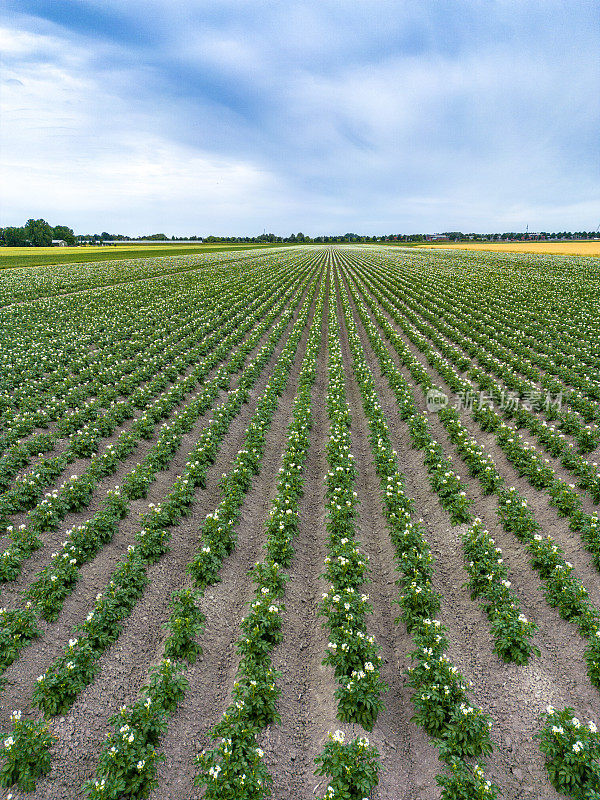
{"x": 39, "y": 233}
{"x": 14, "y": 237}
{"x": 64, "y": 233}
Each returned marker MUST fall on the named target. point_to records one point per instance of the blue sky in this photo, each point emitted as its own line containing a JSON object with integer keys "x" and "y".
{"x": 234, "y": 116}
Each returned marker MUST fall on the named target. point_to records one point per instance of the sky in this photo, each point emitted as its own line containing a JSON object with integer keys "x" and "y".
{"x": 231, "y": 117}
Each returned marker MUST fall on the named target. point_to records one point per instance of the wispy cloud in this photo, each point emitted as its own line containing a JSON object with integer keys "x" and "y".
{"x": 232, "y": 116}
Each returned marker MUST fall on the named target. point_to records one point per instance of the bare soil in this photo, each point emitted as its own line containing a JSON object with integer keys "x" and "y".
{"x": 513, "y": 696}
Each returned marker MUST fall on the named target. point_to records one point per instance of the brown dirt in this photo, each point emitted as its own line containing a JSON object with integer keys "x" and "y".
{"x": 125, "y": 664}
{"x": 10, "y": 592}
{"x": 224, "y": 604}
{"x": 409, "y": 760}
{"x": 513, "y": 696}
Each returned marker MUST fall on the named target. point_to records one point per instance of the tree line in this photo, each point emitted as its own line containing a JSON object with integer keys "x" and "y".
{"x": 36, "y": 233}
{"x": 39, "y": 233}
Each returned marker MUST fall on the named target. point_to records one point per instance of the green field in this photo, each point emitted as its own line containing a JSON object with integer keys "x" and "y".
{"x": 324, "y": 502}
{"x": 11, "y": 257}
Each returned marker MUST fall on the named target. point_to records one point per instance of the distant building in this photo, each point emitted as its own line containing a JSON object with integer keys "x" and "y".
{"x": 58, "y": 243}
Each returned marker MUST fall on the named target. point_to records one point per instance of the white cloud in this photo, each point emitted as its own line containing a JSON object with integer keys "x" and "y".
{"x": 324, "y": 116}
{"x": 143, "y": 184}
{"x": 73, "y": 152}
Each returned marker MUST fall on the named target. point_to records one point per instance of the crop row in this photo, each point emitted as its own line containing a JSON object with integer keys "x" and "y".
{"x": 519, "y": 322}
{"x": 58, "y": 687}
{"x": 103, "y": 623}
{"x": 57, "y": 580}
{"x": 489, "y": 578}
{"x": 76, "y": 493}
{"x": 118, "y": 356}
{"x": 459, "y": 729}
{"x": 516, "y": 397}
{"x": 233, "y": 767}
{"x": 82, "y": 542}
{"x": 353, "y": 654}
{"x": 59, "y": 279}
{"x": 562, "y": 587}
{"x": 123, "y": 773}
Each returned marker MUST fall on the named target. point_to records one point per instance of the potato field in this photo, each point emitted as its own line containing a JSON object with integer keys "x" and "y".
{"x": 316, "y": 522}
